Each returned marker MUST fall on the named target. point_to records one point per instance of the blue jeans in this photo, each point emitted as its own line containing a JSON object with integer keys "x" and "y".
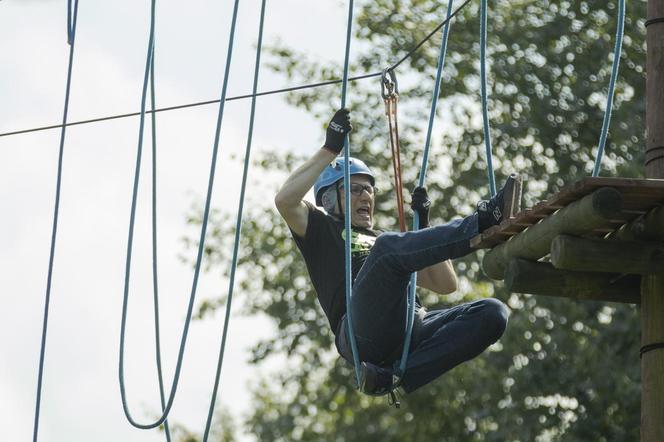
{"x": 443, "y": 338}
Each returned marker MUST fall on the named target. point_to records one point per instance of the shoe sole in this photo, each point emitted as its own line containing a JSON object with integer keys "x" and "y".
{"x": 512, "y": 196}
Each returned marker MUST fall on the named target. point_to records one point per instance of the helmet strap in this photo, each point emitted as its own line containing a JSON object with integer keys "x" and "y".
{"x": 336, "y": 187}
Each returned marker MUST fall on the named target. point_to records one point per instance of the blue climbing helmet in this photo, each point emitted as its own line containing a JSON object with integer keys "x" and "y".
{"x": 335, "y": 172}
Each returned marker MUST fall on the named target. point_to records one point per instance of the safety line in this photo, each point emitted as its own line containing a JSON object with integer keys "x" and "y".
{"x": 155, "y": 279}
{"x": 238, "y": 225}
{"x": 485, "y": 100}
{"x": 620, "y": 31}
{"x": 241, "y": 97}
{"x": 410, "y": 318}
{"x": 348, "y": 231}
{"x": 71, "y": 36}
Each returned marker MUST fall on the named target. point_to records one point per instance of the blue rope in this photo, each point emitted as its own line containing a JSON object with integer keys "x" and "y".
{"x": 485, "y": 104}
{"x": 348, "y": 258}
{"x": 155, "y": 279}
{"x": 620, "y": 31}
{"x": 71, "y": 37}
{"x": 423, "y": 171}
{"x": 238, "y": 225}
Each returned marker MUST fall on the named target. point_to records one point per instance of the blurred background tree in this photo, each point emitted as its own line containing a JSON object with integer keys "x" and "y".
{"x": 564, "y": 370}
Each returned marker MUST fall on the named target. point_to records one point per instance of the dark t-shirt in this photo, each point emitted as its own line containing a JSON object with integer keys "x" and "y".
{"x": 323, "y": 250}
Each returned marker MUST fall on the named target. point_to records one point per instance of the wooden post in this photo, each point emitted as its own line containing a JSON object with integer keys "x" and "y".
{"x": 652, "y": 287}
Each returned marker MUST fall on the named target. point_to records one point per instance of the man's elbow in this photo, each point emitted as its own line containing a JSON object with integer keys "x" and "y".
{"x": 282, "y": 201}
{"x": 452, "y": 285}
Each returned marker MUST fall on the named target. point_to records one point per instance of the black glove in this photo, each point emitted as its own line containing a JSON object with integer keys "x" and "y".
{"x": 337, "y": 130}
{"x": 420, "y": 203}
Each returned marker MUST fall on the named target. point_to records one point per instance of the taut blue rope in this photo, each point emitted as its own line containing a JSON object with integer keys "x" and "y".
{"x": 71, "y": 37}
{"x": 485, "y": 103}
{"x": 423, "y": 171}
{"x": 620, "y": 31}
{"x": 238, "y": 225}
{"x": 348, "y": 271}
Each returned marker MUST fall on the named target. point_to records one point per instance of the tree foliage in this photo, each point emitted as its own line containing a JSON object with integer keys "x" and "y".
{"x": 564, "y": 370}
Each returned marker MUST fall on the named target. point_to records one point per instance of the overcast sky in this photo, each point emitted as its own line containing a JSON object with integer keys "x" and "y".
{"x": 81, "y": 400}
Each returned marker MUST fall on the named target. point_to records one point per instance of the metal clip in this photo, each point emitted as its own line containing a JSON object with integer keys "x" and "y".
{"x": 389, "y": 87}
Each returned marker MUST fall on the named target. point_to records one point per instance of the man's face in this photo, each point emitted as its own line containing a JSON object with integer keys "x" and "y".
{"x": 361, "y": 201}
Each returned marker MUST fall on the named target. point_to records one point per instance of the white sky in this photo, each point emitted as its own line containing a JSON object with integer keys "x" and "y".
{"x": 81, "y": 400}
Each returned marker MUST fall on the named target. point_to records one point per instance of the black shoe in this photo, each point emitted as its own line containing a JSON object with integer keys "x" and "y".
{"x": 504, "y": 205}
{"x": 375, "y": 380}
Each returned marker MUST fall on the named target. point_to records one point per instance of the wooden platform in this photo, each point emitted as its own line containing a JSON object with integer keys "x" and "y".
{"x": 640, "y": 196}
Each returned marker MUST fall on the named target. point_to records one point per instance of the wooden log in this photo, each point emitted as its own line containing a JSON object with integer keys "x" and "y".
{"x": 649, "y": 227}
{"x": 591, "y": 212}
{"x": 605, "y": 255}
{"x": 539, "y": 278}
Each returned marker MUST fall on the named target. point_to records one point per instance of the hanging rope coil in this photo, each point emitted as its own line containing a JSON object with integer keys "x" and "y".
{"x": 201, "y": 242}
{"x": 390, "y": 94}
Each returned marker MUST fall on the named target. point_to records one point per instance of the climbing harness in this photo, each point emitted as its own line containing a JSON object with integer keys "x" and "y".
{"x": 390, "y": 93}
{"x": 72, "y": 15}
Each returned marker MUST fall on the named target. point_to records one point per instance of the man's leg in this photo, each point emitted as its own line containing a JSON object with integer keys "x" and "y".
{"x": 379, "y": 301}
{"x": 378, "y": 305}
{"x": 452, "y": 336}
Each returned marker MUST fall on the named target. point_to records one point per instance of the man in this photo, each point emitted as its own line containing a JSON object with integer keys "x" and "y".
{"x": 381, "y": 268}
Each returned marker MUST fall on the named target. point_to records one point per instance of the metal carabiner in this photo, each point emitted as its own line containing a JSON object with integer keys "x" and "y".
{"x": 388, "y": 85}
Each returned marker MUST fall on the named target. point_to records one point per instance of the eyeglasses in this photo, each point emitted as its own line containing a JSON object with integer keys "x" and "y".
{"x": 357, "y": 188}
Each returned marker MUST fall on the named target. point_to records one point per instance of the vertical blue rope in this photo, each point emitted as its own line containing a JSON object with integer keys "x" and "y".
{"x": 423, "y": 171}
{"x": 71, "y": 37}
{"x": 348, "y": 270}
{"x": 620, "y": 31}
{"x": 485, "y": 104}
{"x": 238, "y": 225}
{"x": 155, "y": 279}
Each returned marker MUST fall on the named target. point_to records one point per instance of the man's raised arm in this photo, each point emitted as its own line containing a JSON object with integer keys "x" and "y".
{"x": 289, "y": 198}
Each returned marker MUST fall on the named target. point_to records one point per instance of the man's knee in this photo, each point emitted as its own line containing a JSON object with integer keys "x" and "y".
{"x": 386, "y": 243}
{"x": 495, "y": 315}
